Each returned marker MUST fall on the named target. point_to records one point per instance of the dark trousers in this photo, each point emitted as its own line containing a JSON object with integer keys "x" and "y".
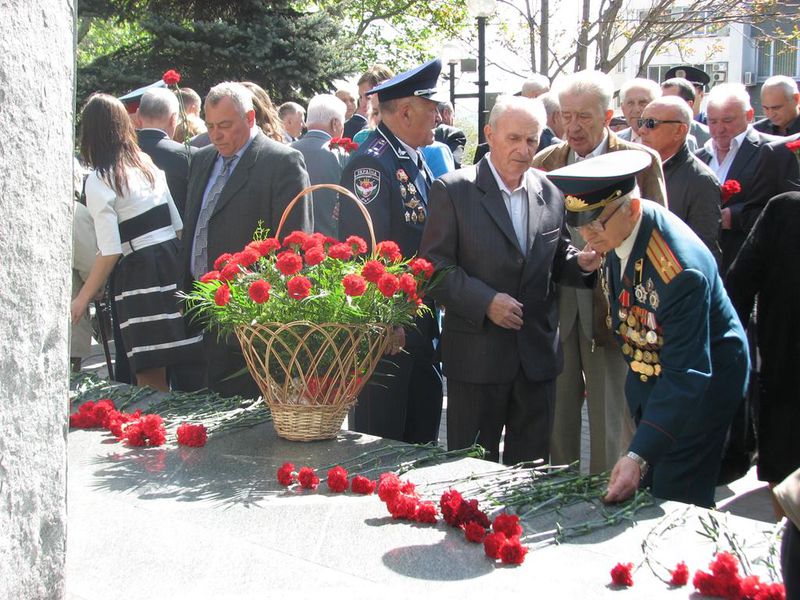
{"x": 688, "y": 471}
{"x": 790, "y": 561}
{"x": 478, "y": 413}
{"x": 403, "y": 399}
{"x": 226, "y": 369}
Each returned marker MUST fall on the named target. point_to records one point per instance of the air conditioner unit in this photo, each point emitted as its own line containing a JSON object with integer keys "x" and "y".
{"x": 749, "y": 79}
{"x": 721, "y": 66}
{"x": 719, "y": 77}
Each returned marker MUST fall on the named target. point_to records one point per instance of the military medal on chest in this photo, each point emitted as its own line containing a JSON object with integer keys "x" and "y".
{"x": 638, "y": 327}
{"x": 414, "y": 207}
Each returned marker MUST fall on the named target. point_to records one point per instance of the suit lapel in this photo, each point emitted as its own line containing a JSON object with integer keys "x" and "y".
{"x": 535, "y": 207}
{"x": 744, "y": 155}
{"x": 204, "y": 164}
{"x": 492, "y": 201}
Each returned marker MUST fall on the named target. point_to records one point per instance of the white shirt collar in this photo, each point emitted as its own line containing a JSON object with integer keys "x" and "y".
{"x": 735, "y": 144}
{"x": 501, "y": 184}
{"x": 624, "y": 250}
{"x": 602, "y": 147}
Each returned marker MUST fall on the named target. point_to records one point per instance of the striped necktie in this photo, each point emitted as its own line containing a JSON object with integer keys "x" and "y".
{"x": 200, "y": 262}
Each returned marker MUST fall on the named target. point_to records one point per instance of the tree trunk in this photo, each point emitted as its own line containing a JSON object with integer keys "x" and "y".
{"x": 583, "y": 38}
{"x": 544, "y": 35}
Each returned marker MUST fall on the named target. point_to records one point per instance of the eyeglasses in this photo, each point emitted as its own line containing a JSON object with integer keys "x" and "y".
{"x": 599, "y": 226}
{"x": 653, "y": 123}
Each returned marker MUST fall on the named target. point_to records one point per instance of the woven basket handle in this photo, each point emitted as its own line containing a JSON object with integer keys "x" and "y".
{"x": 341, "y": 190}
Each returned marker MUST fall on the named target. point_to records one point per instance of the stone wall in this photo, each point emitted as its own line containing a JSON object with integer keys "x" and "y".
{"x": 36, "y": 149}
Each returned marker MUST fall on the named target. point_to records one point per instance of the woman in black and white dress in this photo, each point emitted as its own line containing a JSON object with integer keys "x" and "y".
{"x": 137, "y": 225}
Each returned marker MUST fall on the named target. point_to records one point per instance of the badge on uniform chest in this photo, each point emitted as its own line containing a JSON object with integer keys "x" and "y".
{"x": 367, "y": 184}
{"x": 412, "y": 203}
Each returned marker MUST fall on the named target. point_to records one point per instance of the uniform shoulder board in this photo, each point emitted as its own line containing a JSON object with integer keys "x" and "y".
{"x": 662, "y": 257}
{"x": 378, "y": 146}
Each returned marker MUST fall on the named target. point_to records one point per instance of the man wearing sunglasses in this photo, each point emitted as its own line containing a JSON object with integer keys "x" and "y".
{"x": 594, "y": 371}
{"x": 692, "y": 188}
{"x": 682, "y": 342}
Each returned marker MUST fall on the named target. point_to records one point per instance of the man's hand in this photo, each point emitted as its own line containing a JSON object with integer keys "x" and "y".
{"x": 504, "y": 311}
{"x": 397, "y": 341}
{"x": 726, "y": 218}
{"x": 624, "y": 480}
{"x": 589, "y": 259}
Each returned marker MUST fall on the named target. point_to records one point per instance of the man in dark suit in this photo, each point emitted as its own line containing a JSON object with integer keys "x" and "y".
{"x": 692, "y": 188}
{"x": 403, "y": 400}
{"x": 446, "y": 133}
{"x": 158, "y": 117}
{"x": 684, "y": 346}
{"x": 777, "y": 172}
{"x": 496, "y": 233}
{"x": 243, "y": 178}
{"x": 325, "y": 121}
{"x": 780, "y": 100}
{"x": 732, "y": 153}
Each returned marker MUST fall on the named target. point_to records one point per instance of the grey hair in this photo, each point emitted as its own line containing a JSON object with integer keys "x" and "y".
{"x": 786, "y": 84}
{"x": 588, "y": 83}
{"x": 158, "y": 103}
{"x": 639, "y": 83}
{"x": 537, "y": 84}
{"x": 532, "y": 106}
{"x": 290, "y": 108}
{"x": 550, "y": 102}
{"x": 323, "y": 108}
{"x": 725, "y": 92}
{"x": 679, "y": 105}
{"x": 241, "y": 97}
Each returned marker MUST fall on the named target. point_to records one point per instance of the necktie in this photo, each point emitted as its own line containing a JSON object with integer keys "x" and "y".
{"x": 200, "y": 262}
{"x": 422, "y": 180}
{"x": 423, "y": 170}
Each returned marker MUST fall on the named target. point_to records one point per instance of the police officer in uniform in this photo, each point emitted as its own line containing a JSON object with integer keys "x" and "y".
{"x": 685, "y": 347}
{"x": 387, "y": 173}
{"x": 700, "y": 80}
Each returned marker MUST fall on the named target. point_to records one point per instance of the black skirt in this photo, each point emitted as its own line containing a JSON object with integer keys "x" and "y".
{"x": 153, "y": 329}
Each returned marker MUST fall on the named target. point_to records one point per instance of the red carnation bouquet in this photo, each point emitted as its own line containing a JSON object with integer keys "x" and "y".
{"x": 345, "y": 143}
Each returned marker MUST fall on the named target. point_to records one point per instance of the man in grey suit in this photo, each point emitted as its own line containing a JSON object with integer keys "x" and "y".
{"x": 634, "y": 95}
{"x": 241, "y": 179}
{"x": 496, "y": 233}
{"x": 692, "y": 188}
{"x": 594, "y": 369}
{"x": 325, "y": 121}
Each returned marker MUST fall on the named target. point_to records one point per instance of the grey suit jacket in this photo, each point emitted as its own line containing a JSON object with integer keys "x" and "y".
{"x": 324, "y": 166}
{"x": 575, "y": 302}
{"x": 470, "y": 239}
{"x": 264, "y": 181}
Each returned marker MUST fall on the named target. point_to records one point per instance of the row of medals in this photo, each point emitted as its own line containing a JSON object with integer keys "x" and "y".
{"x": 415, "y": 211}
{"x": 638, "y": 328}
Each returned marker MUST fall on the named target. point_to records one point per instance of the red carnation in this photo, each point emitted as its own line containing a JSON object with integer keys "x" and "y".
{"x": 286, "y": 474}
{"x": 351, "y": 146}
{"x": 315, "y": 240}
{"x": 259, "y": 291}
{"x": 229, "y": 271}
{"x": 222, "y": 260}
{"x": 507, "y": 524}
{"x": 314, "y": 256}
{"x": 296, "y": 237}
{"x": 192, "y": 435}
{"x": 474, "y": 532}
{"x": 362, "y": 485}
{"x": 426, "y": 513}
{"x": 289, "y": 262}
{"x": 354, "y": 285}
{"x": 117, "y": 420}
{"x": 223, "y": 295}
{"x": 408, "y": 488}
{"x": 388, "y": 486}
{"x": 372, "y": 271}
{"x": 248, "y": 256}
{"x": 307, "y": 478}
{"x": 420, "y": 266}
{"x": 148, "y": 430}
{"x": 337, "y": 479}
{"x": 210, "y": 276}
{"x": 265, "y": 247}
{"x": 449, "y": 504}
{"x": 729, "y": 188}
{"x": 793, "y": 146}
{"x": 340, "y": 251}
{"x": 298, "y": 287}
{"x": 388, "y": 284}
{"x": 133, "y": 435}
{"x": 408, "y": 284}
{"x": 389, "y": 250}
{"x": 358, "y": 244}
{"x": 171, "y": 77}
{"x": 468, "y": 511}
{"x": 513, "y": 552}
{"x": 723, "y": 580}
{"x": 493, "y": 544}
{"x": 621, "y": 574}
{"x": 680, "y": 575}
{"x": 403, "y": 506}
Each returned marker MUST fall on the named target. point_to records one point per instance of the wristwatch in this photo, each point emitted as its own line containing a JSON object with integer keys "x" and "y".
{"x": 643, "y": 466}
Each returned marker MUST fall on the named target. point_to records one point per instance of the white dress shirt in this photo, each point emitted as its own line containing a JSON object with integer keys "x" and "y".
{"x": 516, "y": 202}
{"x": 721, "y": 168}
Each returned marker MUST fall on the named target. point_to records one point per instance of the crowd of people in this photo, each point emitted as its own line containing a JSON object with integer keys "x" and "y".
{"x": 582, "y": 264}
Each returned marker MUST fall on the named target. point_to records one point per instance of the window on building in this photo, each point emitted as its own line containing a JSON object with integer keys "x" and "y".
{"x": 776, "y": 57}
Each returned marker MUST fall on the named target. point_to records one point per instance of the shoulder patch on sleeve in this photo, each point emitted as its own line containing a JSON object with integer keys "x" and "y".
{"x": 367, "y": 184}
{"x": 662, "y": 258}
